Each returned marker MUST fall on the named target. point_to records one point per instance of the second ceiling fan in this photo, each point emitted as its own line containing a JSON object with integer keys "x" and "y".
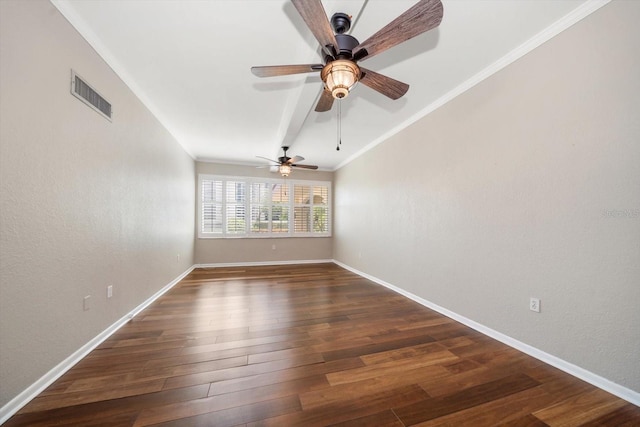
{"x": 342, "y": 52}
{"x": 285, "y": 163}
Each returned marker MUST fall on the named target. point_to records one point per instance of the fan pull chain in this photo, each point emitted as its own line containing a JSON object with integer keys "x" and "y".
{"x": 339, "y": 143}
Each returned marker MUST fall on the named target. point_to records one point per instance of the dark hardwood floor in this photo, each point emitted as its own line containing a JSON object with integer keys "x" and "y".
{"x": 310, "y": 345}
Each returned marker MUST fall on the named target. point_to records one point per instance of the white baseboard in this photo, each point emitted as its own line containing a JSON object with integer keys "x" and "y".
{"x": 158, "y": 294}
{"x": 15, "y": 404}
{"x": 262, "y": 263}
{"x": 594, "y": 379}
{"x": 46, "y": 380}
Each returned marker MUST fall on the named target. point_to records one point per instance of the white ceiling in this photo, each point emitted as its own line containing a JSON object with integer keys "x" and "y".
{"x": 189, "y": 62}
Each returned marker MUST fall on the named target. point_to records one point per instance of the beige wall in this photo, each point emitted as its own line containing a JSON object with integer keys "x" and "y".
{"x": 222, "y": 251}
{"x": 527, "y": 185}
{"x": 85, "y": 203}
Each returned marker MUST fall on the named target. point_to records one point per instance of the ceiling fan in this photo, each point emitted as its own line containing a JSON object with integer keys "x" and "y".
{"x": 340, "y": 71}
{"x": 285, "y": 163}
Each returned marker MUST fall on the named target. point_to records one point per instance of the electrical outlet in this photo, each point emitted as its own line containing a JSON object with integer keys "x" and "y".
{"x": 273, "y": 247}
{"x": 534, "y": 304}
{"x": 86, "y": 303}
{"x": 178, "y": 258}
{"x": 109, "y": 291}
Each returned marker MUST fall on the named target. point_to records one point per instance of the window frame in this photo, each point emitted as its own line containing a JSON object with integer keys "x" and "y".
{"x": 248, "y": 182}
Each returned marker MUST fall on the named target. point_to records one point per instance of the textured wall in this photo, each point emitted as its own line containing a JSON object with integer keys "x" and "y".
{"x": 527, "y": 185}
{"x": 85, "y": 202}
{"x": 215, "y": 251}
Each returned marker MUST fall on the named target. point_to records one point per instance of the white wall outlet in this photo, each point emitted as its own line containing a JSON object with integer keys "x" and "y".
{"x": 109, "y": 291}
{"x": 534, "y": 304}
{"x": 273, "y": 247}
{"x": 178, "y": 258}
{"x": 86, "y": 303}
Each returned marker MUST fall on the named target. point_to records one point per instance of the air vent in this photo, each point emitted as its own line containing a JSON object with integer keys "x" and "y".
{"x": 85, "y": 93}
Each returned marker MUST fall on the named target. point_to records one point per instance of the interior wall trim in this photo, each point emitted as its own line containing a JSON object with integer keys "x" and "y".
{"x": 15, "y": 404}
{"x": 585, "y": 375}
{"x": 28, "y": 394}
{"x": 548, "y": 33}
{"x": 262, "y": 263}
{"x": 96, "y": 43}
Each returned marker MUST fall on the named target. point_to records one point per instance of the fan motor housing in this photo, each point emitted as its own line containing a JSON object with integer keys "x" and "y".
{"x": 346, "y": 44}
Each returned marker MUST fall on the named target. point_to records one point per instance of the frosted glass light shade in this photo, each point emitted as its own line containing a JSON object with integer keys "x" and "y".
{"x": 339, "y": 77}
{"x": 284, "y": 170}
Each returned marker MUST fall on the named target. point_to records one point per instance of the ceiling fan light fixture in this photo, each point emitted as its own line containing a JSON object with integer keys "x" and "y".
{"x": 284, "y": 170}
{"x": 339, "y": 77}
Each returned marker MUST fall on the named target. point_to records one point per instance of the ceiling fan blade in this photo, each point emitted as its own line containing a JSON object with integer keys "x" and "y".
{"x": 387, "y": 86}
{"x": 423, "y": 16}
{"x": 296, "y": 159}
{"x": 325, "y": 102}
{"x": 314, "y": 167}
{"x": 315, "y": 17}
{"x": 284, "y": 70}
{"x": 271, "y": 160}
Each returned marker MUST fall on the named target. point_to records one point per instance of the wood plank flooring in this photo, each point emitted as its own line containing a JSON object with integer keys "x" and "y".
{"x": 310, "y": 345}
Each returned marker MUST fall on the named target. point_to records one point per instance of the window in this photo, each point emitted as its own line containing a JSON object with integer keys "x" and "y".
{"x": 254, "y": 207}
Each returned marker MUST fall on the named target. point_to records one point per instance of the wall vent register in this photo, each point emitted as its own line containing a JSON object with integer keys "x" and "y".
{"x": 85, "y": 93}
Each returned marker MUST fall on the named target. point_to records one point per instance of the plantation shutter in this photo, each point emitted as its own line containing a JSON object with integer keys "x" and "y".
{"x": 211, "y": 206}
{"x": 235, "y": 207}
{"x": 247, "y": 207}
